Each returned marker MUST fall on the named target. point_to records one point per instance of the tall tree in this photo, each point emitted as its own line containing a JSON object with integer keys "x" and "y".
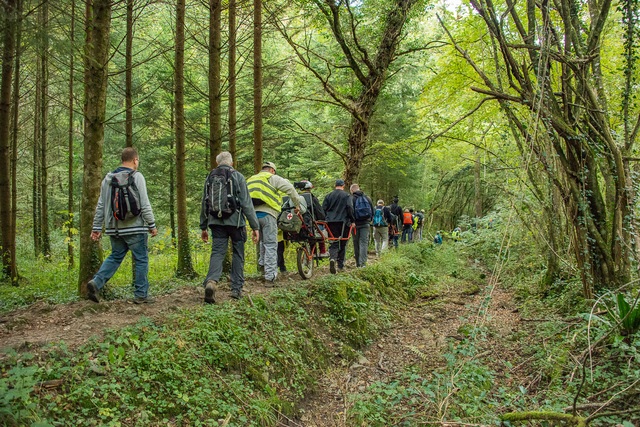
{"x": 556, "y": 98}
{"x": 96, "y": 61}
{"x": 129, "y": 77}
{"x": 257, "y": 85}
{"x": 9, "y": 49}
{"x": 215, "y": 96}
{"x": 14, "y": 141}
{"x": 70, "y": 206}
{"x": 232, "y": 80}
{"x": 185, "y": 265}
{"x": 44, "y": 128}
{"x": 369, "y": 70}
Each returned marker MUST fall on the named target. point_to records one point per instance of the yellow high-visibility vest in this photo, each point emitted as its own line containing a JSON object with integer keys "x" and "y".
{"x": 259, "y": 188}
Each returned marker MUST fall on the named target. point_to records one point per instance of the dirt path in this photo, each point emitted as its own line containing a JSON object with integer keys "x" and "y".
{"x": 74, "y": 323}
{"x": 418, "y": 338}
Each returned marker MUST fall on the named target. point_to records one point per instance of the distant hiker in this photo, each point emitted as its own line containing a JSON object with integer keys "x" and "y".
{"x": 339, "y": 210}
{"x": 381, "y": 220}
{"x": 438, "y": 238}
{"x": 314, "y": 209}
{"x": 455, "y": 234}
{"x": 407, "y": 224}
{"x": 124, "y": 210}
{"x": 418, "y": 221}
{"x": 363, "y": 214}
{"x": 266, "y": 190}
{"x": 394, "y": 229}
{"x": 225, "y": 205}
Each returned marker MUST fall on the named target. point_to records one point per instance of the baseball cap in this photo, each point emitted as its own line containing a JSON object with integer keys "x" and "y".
{"x": 339, "y": 182}
{"x": 269, "y": 165}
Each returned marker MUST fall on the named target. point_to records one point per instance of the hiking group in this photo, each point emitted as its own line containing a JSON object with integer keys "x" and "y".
{"x": 266, "y": 202}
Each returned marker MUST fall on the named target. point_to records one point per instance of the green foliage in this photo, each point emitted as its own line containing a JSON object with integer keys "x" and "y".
{"x": 627, "y": 316}
{"x": 246, "y": 362}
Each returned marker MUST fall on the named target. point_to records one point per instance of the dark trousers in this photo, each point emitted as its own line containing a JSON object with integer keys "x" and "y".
{"x": 281, "y": 265}
{"x": 220, "y": 235}
{"x": 338, "y": 248}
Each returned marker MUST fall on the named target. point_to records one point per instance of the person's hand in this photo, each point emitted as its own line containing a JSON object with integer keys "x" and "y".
{"x": 154, "y": 232}
{"x": 95, "y": 235}
{"x": 296, "y": 210}
{"x": 204, "y": 236}
{"x": 255, "y": 236}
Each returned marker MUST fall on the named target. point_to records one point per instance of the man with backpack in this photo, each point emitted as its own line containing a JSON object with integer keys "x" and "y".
{"x": 124, "y": 210}
{"x": 314, "y": 210}
{"x": 266, "y": 190}
{"x": 225, "y": 205}
{"x": 382, "y": 217}
{"x": 394, "y": 230}
{"x": 338, "y": 208}
{"x": 362, "y": 214}
{"x": 407, "y": 225}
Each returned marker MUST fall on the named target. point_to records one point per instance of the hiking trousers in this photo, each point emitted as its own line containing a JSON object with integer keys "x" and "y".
{"x": 220, "y": 235}
{"x": 381, "y": 238}
{"x": 361, "y": 244}
{"x": 269, "y": 246}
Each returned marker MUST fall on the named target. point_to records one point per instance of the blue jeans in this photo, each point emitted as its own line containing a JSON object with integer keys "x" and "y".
{"x": 137, "y": 244}
{"x": 407, "y": 233}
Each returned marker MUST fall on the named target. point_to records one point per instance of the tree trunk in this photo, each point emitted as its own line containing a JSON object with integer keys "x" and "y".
{"x": 14, "y": 146}
{"x": 37, "y": 203}
{"x": 70, "y": 207}
{"x": 96, "y": 57}
{"x": 9, "y": 49}
{"x": 185, "y": 266}
{"x": 215, "y": 100}
{"x": 232, "y": 81}
{"x": 477, "y": 185}
{"x": 257, "y": 85}
{"x": 44, "y": 132}
{"x": 172, "y": 182}
{"x": 129, "y": 78}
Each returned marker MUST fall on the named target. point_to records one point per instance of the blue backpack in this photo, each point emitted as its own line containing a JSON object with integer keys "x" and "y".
{"x": 362, "y": 209}
{"x": 378, "y": 218}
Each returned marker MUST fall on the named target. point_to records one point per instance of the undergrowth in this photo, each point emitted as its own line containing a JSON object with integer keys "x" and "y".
{"x": 246, "y": 363}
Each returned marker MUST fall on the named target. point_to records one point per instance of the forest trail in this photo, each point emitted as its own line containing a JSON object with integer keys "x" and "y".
{"x": 418, "y": 338}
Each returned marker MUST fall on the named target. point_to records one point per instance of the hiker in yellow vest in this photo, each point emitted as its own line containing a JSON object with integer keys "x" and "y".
{"x": 266, "y": 190}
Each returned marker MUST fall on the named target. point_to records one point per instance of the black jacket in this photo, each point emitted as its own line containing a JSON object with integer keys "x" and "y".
{"x": 313, "y": 206}
{"x": 338, "y": 207}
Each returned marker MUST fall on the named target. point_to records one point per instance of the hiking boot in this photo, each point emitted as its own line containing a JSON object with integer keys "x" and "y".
{"x": 143, "y": 300}
{"x": 332, "y": 266}
{"x": 210, "y": 292}
{"x": 236, "y": 294}
{"x": 92, "y": 291}
{"x": 269, "y": 283}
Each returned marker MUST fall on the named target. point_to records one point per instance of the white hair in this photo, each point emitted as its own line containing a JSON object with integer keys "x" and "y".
{"x": 224, "y": 158}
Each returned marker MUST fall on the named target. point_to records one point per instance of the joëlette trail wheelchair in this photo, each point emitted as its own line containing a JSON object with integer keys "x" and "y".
{"x": 307, "y": 240}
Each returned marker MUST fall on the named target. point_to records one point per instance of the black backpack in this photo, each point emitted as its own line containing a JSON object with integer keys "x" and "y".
{"x": 125, "y": 198}
{"x": 221, "y": 200}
